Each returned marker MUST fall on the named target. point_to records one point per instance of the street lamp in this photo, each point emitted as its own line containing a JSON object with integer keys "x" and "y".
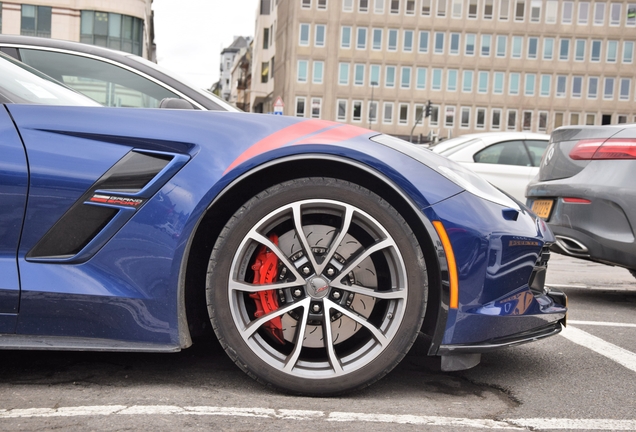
{"x": 373, "y": 84}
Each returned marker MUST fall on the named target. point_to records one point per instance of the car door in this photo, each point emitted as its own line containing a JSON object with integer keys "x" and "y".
{"x": 13, "y": 192}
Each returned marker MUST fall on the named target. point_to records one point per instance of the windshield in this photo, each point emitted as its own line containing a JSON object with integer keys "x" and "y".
{"x": 217, "y": 100}
{"x": 23, "y": 84}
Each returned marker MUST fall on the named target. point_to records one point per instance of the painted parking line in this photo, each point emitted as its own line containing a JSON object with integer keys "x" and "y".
{"x": 306, "y": 415}
{"x": 600, "y": 346}
{"x": 601, "y": 323}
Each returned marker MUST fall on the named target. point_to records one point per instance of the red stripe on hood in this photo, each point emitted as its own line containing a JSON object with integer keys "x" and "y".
{"x": 335, "y": 135}
{"x": 280, "y": 138}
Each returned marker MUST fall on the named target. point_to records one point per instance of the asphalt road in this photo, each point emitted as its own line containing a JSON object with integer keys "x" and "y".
{"x": 584, "y": 379}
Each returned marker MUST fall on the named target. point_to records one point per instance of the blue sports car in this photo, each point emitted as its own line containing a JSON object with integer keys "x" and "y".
{"x": 318, "y": 251}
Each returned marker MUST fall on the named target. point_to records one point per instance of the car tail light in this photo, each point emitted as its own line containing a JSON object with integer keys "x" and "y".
{"x": 612, "y": 148}
{"x": 571, "y": 200}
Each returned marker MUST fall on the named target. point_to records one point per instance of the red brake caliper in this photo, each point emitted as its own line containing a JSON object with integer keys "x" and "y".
{"x": 265, "y": 271}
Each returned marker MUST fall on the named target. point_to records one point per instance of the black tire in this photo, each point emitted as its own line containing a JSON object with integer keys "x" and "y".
{"x": 373, "y": 287}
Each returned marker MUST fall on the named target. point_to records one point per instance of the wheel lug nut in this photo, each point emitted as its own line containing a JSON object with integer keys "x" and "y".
{"x": 316, "y": 308}
{"x": 297, "y": 292}
{"x": 336, "y": 295}
{"x": 306, "y": 270}
{"x": 331, "y": 271}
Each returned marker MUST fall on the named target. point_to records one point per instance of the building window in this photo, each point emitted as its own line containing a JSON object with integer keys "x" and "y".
{"x": 449, "y": 121}
{"x": 504, "y": 10}
{"x": 410, "y": 7}
{"x": 300, "y": 106}
{"x": 347, "y": 5}
{"x": 264, "y": 72}
{"x": 567, "y": 12}
{"x": 395, "y": 6}
{"x": 374, "y": 75}
{"x": 495, "y": 120}
{"x": 316, "y": 105}
{"x": 437, "y": 79}
{"x": 464, "y": 115}
{"x": 622, "y": 119}
{"x": 472, "y": 9}
{"x": 361, "y": 40}
{"x": 467, "y": 81}
{"x": 579, "y": 50}
{"x": 530, "y": 84}
{"x": 543, "y": 121}
{"x": 320, "y": 35}
{"x": 608, "y": 89}
{"x": 454, "y": 43}
{"x": 441, "y": 8}
{"x": 377, "y": 39}
{"x": 551, "y": 8}
{"x": 512, "y": 120}
{"x": 548, "y": 48}
{"x": 612, "y": 51}
{"x": 533, "y": 47}
{"x": 527, "y": 121}
{"x": 482, "y": 82}
{"x": 305, "y": 4}
{"x": 517, "y": 46}
{"x": 577, "y": 86}
{"x": 393, "y": 40}
{"x": 423, "y": 45}
{"x": 357, "y": 111}
{"x": 564, "y": 49}
{"x": 345, "y": 37}
{"x": 615, "y": 14}
{"x": 342, "y": 110}
{"x": 520, "y": 10}
{"x": 426, "y": 8}
{"x": 378, "y": 7}
{"x": 498, "y": 83}
{"x": 318, "y": 72}
{"x": 546, "y": 83}
{"x": 121, "y": 32}
{"x": 630, "y": 21}
{"x": 439, "y": 43}
{"x": 36, "y": 21}
{"x": 480, "y": 122}
{"x": 343, "y": 74}
{"x": 408, "y": 41}
{"x": 513, "y": 84}
{"x": 358, "y": 78}
{"x": 535, "y": 11}
{"x": 373, "y": 112}
{"x": 470, "y": 45}
{"x": 405, "y": 81}
{"x": 592, "y": 87}
{"x": 584, "y": 12}
{"x": 457, "y": 8}
{"x": 322, "y": 4}
{"x": 421, "y": 78}
{"x": 574, "y": 119}
{"x": 485, "y": 45}
{"x": 363, "y": 5}
{"x": 628, "y": 52}
{"x": 595, "y": 55}
{"x": 266, "y": 38}
{"x": 404, "y": 114}
{"x": 561, "y": 85}
{"x": 558, "y": 120}
{"x": 390, "y": 77}
{"x": 304, "y": 35}
{"x": 590, "y": 119}
{"x": 488, "y": 8}
{"x": 302, "y": 71}
{"x": 451, "y": 80}
{"x": 501, "y": 45}
{"x": 387, "y": 113}
{"x": 599, "y": 13}
{"x": 625, "y": 86}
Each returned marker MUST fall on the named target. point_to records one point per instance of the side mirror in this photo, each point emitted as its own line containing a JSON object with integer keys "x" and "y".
{"x": 175, "y": 103}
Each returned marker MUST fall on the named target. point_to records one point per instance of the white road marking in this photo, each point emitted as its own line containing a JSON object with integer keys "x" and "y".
{"x": 601, "y": 323}
{"x": 303, "y": 415}
{"x": 598, "y": 345}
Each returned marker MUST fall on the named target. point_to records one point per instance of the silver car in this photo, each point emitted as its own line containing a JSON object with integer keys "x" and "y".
{"x": 586, "y": 191}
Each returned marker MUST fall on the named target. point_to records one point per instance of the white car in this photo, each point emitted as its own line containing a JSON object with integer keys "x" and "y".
{"x": 508, "y": 160}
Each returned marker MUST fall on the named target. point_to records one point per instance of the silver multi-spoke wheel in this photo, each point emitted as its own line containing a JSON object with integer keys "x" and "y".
{"x": 317, "y": 289}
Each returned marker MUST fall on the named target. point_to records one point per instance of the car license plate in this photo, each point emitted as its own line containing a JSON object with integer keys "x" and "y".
{"x": 542, "y": 208}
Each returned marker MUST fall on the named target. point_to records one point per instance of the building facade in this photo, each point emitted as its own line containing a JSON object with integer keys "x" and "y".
{"x": 228, "y": 56}
{"x": 125, "y": 25}
{"x": 263, "y": 57}
{"x": 485, "y": 65}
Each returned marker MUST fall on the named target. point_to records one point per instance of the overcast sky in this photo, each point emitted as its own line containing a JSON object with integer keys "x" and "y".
{"x": 190, "y": 34}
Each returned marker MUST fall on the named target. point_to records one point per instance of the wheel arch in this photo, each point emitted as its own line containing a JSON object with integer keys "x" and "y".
{"x": 309, "y": 165}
